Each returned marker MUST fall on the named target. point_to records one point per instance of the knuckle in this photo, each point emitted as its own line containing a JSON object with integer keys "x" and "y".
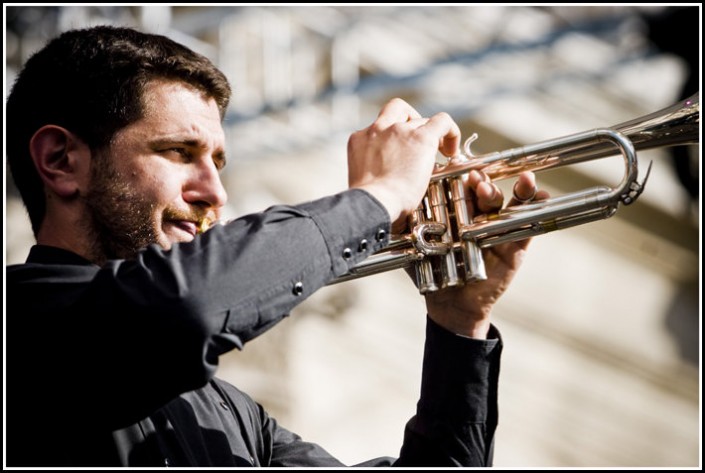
{"x": 442, "y": 116}
{"x": 374, "y": 129}
{"x": 396, "y": 101}
{"x": 354, "y": 139}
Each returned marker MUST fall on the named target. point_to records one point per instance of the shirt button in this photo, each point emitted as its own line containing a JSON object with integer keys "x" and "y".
{"x": 224, "y": 405}
{"x": 298, "y": 288}
{"x": 347, "y": 253}
{"x": 363, "y": 245}
{"x": 380, "y": 234}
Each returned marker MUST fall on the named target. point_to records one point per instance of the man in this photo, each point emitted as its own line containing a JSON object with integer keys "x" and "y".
{"x": 116, "y": 321}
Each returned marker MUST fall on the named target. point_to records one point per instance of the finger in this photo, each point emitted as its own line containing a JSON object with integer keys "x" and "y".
{"x": 542, "y": 195}
{"x": 525, "y": 189}
{"x": 475, "y": 177}
{"x": 396, "y": 111}
{"x": 448, "y": 132}
{"x": 489, "y": 197}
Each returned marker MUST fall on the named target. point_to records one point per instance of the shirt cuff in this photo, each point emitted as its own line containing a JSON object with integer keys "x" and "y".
{"x": 354, "y": 225}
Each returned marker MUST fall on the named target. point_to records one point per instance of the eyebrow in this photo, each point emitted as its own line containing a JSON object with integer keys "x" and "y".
{"x": 218, "y": 156}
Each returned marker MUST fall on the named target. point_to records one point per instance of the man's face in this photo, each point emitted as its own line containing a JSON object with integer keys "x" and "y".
{"x": 159, "y": 178}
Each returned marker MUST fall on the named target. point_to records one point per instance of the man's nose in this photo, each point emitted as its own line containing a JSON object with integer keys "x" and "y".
{"x": 205, "y": 187}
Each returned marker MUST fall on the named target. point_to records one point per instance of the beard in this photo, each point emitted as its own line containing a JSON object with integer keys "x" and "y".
{"x": 121, "y": 220}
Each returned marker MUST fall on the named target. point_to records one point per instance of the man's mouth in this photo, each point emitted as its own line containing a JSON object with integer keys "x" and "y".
{"x": 186, "y": 226}
{"x": 190, "y": 223}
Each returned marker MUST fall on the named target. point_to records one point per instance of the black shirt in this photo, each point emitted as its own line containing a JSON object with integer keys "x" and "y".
{"x": 115, "y": 365}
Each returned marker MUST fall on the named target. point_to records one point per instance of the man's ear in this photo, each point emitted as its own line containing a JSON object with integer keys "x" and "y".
{"x": 61, "y": 158}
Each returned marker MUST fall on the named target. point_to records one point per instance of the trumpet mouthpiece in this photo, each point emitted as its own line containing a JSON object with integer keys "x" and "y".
{"x": 204, "y": 225}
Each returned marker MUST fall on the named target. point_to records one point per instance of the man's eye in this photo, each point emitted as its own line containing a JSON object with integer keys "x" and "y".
{"x": 182, "y": 152}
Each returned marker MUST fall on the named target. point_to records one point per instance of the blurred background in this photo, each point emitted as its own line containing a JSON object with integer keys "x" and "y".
{"x": 601, "y": 366}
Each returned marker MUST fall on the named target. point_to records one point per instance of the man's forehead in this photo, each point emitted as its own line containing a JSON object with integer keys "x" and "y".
{"x": 159, "y": 91}
{"x": 179, "y": 110}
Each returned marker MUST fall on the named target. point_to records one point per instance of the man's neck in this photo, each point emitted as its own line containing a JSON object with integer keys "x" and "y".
{"x": 67, "y": 233}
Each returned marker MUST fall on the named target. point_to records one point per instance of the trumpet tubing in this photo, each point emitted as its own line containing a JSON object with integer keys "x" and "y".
{"x": 445, "y": 241}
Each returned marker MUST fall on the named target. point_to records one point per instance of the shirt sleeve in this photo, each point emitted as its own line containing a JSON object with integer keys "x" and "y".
{"x": 136, "y": 333}
{"x": 267, "y": 263}
{"x": 456, "y": 415}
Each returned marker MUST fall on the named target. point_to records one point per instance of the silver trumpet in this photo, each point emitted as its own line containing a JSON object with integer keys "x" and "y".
{"x": 445, "y": 242}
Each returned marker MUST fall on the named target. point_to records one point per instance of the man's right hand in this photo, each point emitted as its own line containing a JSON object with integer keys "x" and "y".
{"x": 394, "y": 157}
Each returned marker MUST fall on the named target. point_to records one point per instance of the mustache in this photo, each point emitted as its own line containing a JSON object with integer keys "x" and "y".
{"x": 203, "y": 218}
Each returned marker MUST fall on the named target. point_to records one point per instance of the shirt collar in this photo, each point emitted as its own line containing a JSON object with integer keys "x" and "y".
{"x": 52, "y": 255}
